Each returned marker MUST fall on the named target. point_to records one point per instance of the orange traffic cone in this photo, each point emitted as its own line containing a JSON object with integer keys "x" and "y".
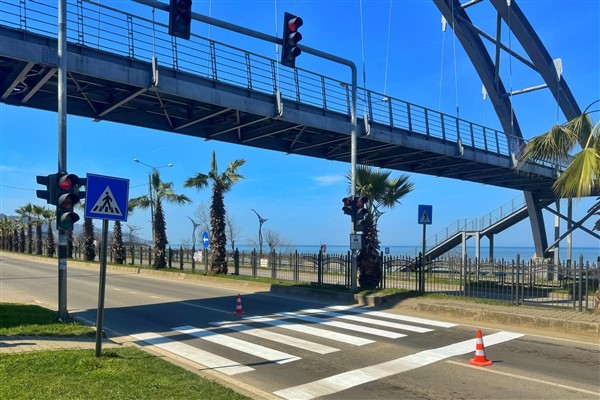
{"x": 238, "y": 305}
{"x": 480, "y": 359}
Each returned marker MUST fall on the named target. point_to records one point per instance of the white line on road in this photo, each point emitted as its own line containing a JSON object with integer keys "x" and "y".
{"x": 310, "y": 330}
{"x": 397, "y": 317}
{"x": 344, "y": 325}
{"x": 240, "y": 345}
{"x": 192, "y": 353}
{"x": 279, "y": 338}
{"x": 350, "y": 379}
{"x": 371, "y": 321}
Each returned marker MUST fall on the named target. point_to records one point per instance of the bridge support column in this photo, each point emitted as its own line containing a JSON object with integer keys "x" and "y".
{"x": 538, "y": 230}
{"x": 491, "y": 239}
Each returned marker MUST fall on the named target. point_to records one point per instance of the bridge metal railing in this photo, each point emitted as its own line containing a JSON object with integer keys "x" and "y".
{"x": 99, "y": 26}
{"x": 472, "y": 224}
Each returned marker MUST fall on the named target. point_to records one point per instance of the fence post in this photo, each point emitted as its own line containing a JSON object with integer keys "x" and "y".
{"x": 170, "y": 257}
{"x": 296, "y": 267}
{"x": 254, "y": 262}
{"x": 273, "y": 261}
{"x": 181, "y": 258}
{"x": 236, "y": 261}
{"x": 580, "y": 293}
{"x": 382, "y": 283}
{"x": 320, "y": 267}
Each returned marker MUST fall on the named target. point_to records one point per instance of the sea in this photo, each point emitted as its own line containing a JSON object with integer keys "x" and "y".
{"x": 590, "y": 254}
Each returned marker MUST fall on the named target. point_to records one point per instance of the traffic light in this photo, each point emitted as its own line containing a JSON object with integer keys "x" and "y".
{"x": 67, "y": 192}
{"x": 291, "y": 37}
{"x": 360, "y": 212}
{"x": 347, "y": 208}
{"x": 50, "y": 193}
{"x": 180, "y": 18}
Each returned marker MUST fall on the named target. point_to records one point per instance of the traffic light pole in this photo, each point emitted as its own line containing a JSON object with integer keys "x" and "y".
{"x": 62, "y": 151}
{"x": 309, "y": 50}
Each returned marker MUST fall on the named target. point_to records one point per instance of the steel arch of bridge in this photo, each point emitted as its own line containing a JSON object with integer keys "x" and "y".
{"x": 471, "y": 39}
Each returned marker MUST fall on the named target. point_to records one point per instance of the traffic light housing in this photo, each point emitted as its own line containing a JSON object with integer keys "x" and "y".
{"x": 347, "y": 208}
{"x": 291, "y": 37}
{"x": 67, "y": 192}
{"x": 360, "y": 212}
{"x": 180, "y": 18}
{"x": 50, "y": 193}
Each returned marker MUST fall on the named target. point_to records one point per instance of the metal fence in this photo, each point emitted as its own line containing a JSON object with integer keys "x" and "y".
{"x": 94, "y": 25}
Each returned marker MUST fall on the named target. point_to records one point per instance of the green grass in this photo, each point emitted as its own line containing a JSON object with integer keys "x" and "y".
{"x": 29, "y": 320}
{"x": 121, "y": 373}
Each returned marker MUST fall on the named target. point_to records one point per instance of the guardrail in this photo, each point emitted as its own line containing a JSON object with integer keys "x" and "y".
{"x": 95, "y": 25}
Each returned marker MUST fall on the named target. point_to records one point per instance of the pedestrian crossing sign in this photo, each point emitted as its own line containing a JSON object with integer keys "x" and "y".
{"x": 425, "y": 214}
{"x": 106, "y": 197}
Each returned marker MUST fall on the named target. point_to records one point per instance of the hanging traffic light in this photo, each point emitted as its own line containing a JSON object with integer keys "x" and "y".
{"x": 67, "y": 192}
{"x": 50, "y": 193}
{"x": 291, "y": 37}
{"x": 180, "y": 18}
{"x": 347, "y": 208}
{"x": 360, "y": 212}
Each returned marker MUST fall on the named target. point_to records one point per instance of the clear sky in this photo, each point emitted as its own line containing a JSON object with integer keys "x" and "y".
{"x": 300, "y": 196}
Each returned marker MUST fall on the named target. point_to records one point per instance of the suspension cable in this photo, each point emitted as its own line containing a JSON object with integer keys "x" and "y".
{"x": 387, "y": 53}
{"x": 444, "y": 22}
{"x": 455, "y": 67}
{"x": 364, "y": 68}
{"x": 277, "y": 46}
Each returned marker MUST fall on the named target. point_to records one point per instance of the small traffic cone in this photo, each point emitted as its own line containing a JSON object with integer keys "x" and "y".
{"x": 238, "y": 305}
{"x": 480, "y": 359}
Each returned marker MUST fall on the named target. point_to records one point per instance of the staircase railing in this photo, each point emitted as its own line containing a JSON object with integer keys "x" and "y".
{"x": 473, "y": 224}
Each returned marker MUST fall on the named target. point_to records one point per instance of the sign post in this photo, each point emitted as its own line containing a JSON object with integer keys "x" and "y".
{"x": 425, "y": 218}
{"x": 106, "y": 199}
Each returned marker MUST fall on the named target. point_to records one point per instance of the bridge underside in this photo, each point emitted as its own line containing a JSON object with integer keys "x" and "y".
{"x": 104, "y": 86}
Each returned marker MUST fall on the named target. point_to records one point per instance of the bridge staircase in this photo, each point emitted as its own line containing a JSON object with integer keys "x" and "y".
{"x": 490, "y": 224}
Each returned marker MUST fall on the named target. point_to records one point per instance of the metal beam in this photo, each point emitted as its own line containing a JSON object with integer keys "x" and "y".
{"x": 17, "y": 76}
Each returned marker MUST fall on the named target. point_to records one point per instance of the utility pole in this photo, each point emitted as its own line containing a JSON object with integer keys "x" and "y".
{"x": 62, "y": 151}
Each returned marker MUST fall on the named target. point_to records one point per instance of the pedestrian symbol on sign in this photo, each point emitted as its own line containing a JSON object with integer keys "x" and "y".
{"x": 425, "y": 214}
{"x": 106, "y": 204}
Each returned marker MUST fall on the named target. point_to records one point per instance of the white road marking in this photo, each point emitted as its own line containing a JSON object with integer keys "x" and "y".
{"x": 344, "y": 325}
{"x": 525, "y": 378}
{"x": 371, "y": 321}
{"x": 279, "y": 338}
{"x": 397, "y": 317}
{"x": 311, "y": 330}
{"x": 350, "y": 379}
{"x": 155, "y": 297}
{"x": 192, "y": 353}
{"x": 239, "y": 345}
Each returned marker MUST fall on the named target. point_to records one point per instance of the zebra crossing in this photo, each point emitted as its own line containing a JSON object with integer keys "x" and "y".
{"x": 320, "y": 322}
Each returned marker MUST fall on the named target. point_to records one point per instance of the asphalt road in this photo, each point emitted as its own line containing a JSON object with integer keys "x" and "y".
{"x": 299, "y": 348}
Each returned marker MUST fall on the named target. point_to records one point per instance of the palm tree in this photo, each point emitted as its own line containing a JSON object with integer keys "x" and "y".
{"x": 26, "y": 212}
{"x": 49, "y": 216}
{"x": 582, "y": 175}
{"x": 38, "y": 212}
{"x": 118, "y": 250}
{"x": 383, "y": 192}
{"x": 581, "y": 178}
{"x": 221, "y": 184}
{"x": 162, "y": 191}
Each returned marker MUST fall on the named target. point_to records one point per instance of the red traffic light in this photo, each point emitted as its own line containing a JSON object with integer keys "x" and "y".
{"x": 360, "y": 202}
{"x": 347, "y": 201}
{"x": 295, "y": 23}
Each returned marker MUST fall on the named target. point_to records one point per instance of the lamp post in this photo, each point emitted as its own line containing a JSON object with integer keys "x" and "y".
{"x": 261, "y": 221}
{"x": 150, "y": 191}
{"x": 196, "y": 225}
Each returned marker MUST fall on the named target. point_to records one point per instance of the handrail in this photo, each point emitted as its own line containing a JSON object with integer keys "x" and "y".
{"x": 102, "y": 27}
{"x": 473, "y": 224}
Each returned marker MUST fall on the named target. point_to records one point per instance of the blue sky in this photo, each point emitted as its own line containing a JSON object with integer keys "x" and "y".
{"x": 300, "y": 196}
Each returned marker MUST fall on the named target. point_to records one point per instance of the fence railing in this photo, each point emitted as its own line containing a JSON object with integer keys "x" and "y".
{"x": 99, "y": 26}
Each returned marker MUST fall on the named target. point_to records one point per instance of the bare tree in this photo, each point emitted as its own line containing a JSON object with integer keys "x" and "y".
{"x": 275, "y": 240}
{"x": 202, "y": 215}
{"x": 233, "y": 230}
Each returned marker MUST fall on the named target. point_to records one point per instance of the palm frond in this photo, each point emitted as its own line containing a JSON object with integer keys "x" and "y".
{"x": 581, "y": 176}
{"x": 580, "y": 127}
{"x": 200, "y": 181}
{"x": 553, "y": 146}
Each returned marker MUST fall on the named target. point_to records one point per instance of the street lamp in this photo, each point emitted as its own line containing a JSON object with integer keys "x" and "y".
{"x": 150, "y": 191}
{"x": 196, "y": 225}
{"x": 261, "y": 221}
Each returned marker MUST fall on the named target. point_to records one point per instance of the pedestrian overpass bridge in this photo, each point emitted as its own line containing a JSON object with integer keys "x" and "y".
{"x": 127, "y": 69}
